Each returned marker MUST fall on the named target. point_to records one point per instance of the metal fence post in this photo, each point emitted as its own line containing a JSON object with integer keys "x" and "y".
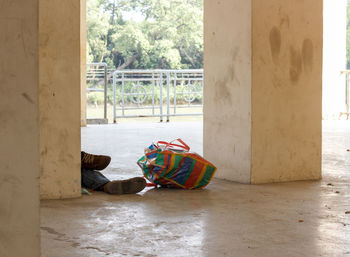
{"x": 105, "y": 92}
{"x": 123, "y": 88}
{"x": 168, "y": 97}
{"x": 347, "y": 95}
{"x": 175, "y": 77}
{"x": 96, "y": 75}
{"x": 161, "y": 95}
{"x": 133, "y": 92}
{"x": 152, "y": 93}
{"x": 114, "y": 99}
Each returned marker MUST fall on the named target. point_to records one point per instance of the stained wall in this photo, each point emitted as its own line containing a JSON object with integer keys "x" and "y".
{"x": 263, "y": 89}
{"x": 83, "y": 54}
{"x": 60, "y": 94}
{"x": 287, "y": 90}
{"x": 19, "y": 129}
{"x": 227, "y": 91}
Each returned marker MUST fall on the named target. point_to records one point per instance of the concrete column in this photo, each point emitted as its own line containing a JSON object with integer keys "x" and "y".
{"x": 83, "y": 61}
{"x": 263, "y": 85}
{"x": 60, "y": 91}
{"x": 19, "y": 129}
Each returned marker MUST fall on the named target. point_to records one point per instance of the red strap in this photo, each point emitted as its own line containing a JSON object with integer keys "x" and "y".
{"x": 183, "y": 144}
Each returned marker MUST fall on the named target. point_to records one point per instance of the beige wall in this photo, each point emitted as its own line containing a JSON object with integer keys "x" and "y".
{"x": 227, "y": 92}
{"x": 287, "y": 90}
{"x": 19, "y": 135}
{"x": 83, "y": 61}
{"x": 60, "y": 89}
{"x": 267, "y": 126}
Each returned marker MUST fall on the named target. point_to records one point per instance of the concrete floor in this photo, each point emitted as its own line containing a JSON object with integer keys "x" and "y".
{"x": 225, "y": 219}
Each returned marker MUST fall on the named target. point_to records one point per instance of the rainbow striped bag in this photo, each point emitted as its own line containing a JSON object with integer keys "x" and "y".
{"x": 172, "y": 165}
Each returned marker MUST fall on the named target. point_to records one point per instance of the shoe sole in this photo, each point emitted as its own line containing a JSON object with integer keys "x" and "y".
{"x": 129, "y": 186}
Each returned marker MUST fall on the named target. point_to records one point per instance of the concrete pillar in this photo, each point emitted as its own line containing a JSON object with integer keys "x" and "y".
{"x": 263, "y": 85}
{"x": 334, "y": 58}
{"x": 60, "y": 90}
{"x": 19, "y": 129}
{"x": 83, "y": 61}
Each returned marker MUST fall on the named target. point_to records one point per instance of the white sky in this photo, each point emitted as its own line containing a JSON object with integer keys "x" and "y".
{"x": 133, "y": 16}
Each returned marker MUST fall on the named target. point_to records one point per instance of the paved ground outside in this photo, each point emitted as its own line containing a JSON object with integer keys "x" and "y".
{"x": 125, "y": 142}
{"x": 225, "y": 219}
{"x": 98, "y": 111}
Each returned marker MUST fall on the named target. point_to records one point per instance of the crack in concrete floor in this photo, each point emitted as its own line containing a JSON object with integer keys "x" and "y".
{"x": 226, "y": 219}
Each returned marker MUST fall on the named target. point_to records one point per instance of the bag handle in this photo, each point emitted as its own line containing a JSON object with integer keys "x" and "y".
{"x": 182, "y": 144}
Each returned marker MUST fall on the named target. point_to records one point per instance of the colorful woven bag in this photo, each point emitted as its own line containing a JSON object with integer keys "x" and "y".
{"x": 172, "y": 165}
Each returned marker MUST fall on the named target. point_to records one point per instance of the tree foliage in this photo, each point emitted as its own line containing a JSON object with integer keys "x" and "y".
{"x": 145, "y": 34}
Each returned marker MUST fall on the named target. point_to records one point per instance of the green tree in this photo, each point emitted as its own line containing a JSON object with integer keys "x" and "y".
{"x": 165, "y": 35}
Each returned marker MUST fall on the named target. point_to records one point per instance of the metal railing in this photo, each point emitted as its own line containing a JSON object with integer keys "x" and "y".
{"x": 347, "y": 94}
{"x": 157, "y": 93}
{"x": 96, "y": 80}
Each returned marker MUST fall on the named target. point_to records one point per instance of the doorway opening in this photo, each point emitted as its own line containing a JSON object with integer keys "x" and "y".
{"x": 336, "y": 65}
{"x": 145, "y": 75}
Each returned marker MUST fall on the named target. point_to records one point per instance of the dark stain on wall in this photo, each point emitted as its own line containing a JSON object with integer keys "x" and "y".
{"x": 231, "y": 72}
{"x": 308, "y": 55}
{"x": 275, "y": 44}
{"x": 44, "y": 151}
{"x": 295, "y": 67}
{"x": 285, "y": 21}
{"x": 28, "y": 98}
{"x": 223, "y": 92}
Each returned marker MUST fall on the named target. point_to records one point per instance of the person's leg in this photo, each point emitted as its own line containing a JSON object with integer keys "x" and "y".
{"x": 95, "y": 180}
{"x": 92, "y": 179}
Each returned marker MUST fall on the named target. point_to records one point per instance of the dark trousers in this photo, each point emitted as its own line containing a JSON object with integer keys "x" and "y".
{"x": 93, "y": 179}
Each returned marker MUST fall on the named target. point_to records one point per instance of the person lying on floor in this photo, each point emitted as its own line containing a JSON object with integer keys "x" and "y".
{"x": 92, "y": 179}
